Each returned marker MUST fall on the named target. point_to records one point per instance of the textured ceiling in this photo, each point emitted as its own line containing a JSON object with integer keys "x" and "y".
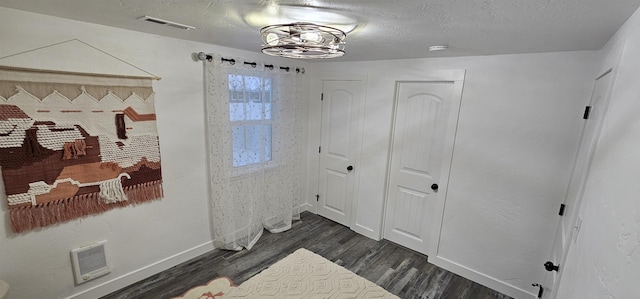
{"x": 386, "y": 29}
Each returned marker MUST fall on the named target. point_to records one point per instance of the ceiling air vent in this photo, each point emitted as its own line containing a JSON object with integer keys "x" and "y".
{"x": 167, "y": 23}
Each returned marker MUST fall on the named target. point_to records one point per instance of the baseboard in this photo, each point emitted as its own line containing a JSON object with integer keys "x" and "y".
{"x": 142, "y": 273}
{"x": 307, "y": 207}
{"x": 480, "y": 278}
{"x": 365, "y": 231}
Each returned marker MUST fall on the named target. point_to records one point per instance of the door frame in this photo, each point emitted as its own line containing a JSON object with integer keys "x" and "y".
{"x": 582, "y": 184}
{"x": 315, "y": 139}
{"x": 457, "y": 76}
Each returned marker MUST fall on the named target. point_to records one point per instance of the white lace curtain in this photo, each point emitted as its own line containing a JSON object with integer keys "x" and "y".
{"x": 253, "y": 133}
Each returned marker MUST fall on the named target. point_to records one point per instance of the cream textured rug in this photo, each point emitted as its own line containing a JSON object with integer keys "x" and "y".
{"x": 302, "y": 274}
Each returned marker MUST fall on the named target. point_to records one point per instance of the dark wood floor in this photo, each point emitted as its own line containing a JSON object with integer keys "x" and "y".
{"x": 397, "y": 269}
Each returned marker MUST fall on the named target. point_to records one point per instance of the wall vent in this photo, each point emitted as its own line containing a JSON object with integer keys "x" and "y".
{"x": 166, "y": 23}
{"x": 90, "y": 261}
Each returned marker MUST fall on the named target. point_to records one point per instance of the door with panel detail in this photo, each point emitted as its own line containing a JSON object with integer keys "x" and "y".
{"x": 569, "y": 225}
{"x": 341, "y": 126}
{"x": 416, "y": 177}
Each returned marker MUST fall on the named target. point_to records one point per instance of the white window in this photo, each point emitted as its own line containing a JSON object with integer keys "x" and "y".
{"x": 250, "y": 109}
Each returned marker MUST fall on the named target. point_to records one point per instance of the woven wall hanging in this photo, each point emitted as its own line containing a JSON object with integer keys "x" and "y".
{"x": 75, "y": 144}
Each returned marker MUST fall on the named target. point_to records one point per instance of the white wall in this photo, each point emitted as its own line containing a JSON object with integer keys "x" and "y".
{"x": 518, "y": 132}
{"x": 605, "y": 260}
{"x": 142, "y": 239}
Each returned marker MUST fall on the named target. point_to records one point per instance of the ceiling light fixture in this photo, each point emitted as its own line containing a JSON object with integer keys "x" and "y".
{"x": 303, "y": 41}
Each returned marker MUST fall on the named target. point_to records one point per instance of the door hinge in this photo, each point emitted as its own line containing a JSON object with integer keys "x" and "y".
{"x": 319, "y": 149}
{"x": 322, "y": 97}
{"x": 317, "y": 197}
{"x": 562, "y": 206}
{"x": 587, "y": 112}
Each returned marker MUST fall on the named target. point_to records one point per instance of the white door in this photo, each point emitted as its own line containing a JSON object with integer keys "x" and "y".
{"x": 569, "y": 222}
{"x": 420, "y": 159}
{"x": 340, "y": 145}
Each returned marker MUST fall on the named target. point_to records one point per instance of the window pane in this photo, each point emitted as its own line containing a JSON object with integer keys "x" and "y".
{"x": 236, "y": 111}
{"x": 253, "y": 88}
{"x": 236, "y": 98}
{"x": 253, "y": 143}
{"x": 254, "y": 111}
{"x": 235, "y": 89}
{"x": 252, "y": 83}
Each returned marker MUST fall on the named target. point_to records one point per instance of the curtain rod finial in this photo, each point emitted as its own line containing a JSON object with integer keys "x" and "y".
{"x": 203, "y": 56}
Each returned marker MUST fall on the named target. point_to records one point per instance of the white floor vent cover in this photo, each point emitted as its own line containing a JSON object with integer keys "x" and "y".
{"x": 90, "y": 261}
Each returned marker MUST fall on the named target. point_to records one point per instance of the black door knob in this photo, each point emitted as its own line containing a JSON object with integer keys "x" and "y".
{"x": 434, "y": 187}
{"x": 349, "y": 168}
{"x": 549, "y": 266}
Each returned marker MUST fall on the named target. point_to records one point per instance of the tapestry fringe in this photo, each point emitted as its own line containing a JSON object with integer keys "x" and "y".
{"x": 111, "y": 191}
{"x": 32, "y": 217}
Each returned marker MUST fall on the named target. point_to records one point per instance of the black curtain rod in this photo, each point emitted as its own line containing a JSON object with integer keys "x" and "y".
{"x": 254, "y": 64}
{"x": 202, "y": 56}
{"x": 231, "y": 61}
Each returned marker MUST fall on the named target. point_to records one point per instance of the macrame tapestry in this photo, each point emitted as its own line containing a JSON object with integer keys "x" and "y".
{"x": 73, "y": 145}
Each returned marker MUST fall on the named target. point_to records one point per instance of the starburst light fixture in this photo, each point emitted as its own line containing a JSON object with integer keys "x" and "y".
{"x": 303, "y": 41}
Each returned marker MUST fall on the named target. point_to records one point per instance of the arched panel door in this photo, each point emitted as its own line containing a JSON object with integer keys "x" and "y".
{"x": 341, "y": 130}
{"x": 417, "y": 160}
